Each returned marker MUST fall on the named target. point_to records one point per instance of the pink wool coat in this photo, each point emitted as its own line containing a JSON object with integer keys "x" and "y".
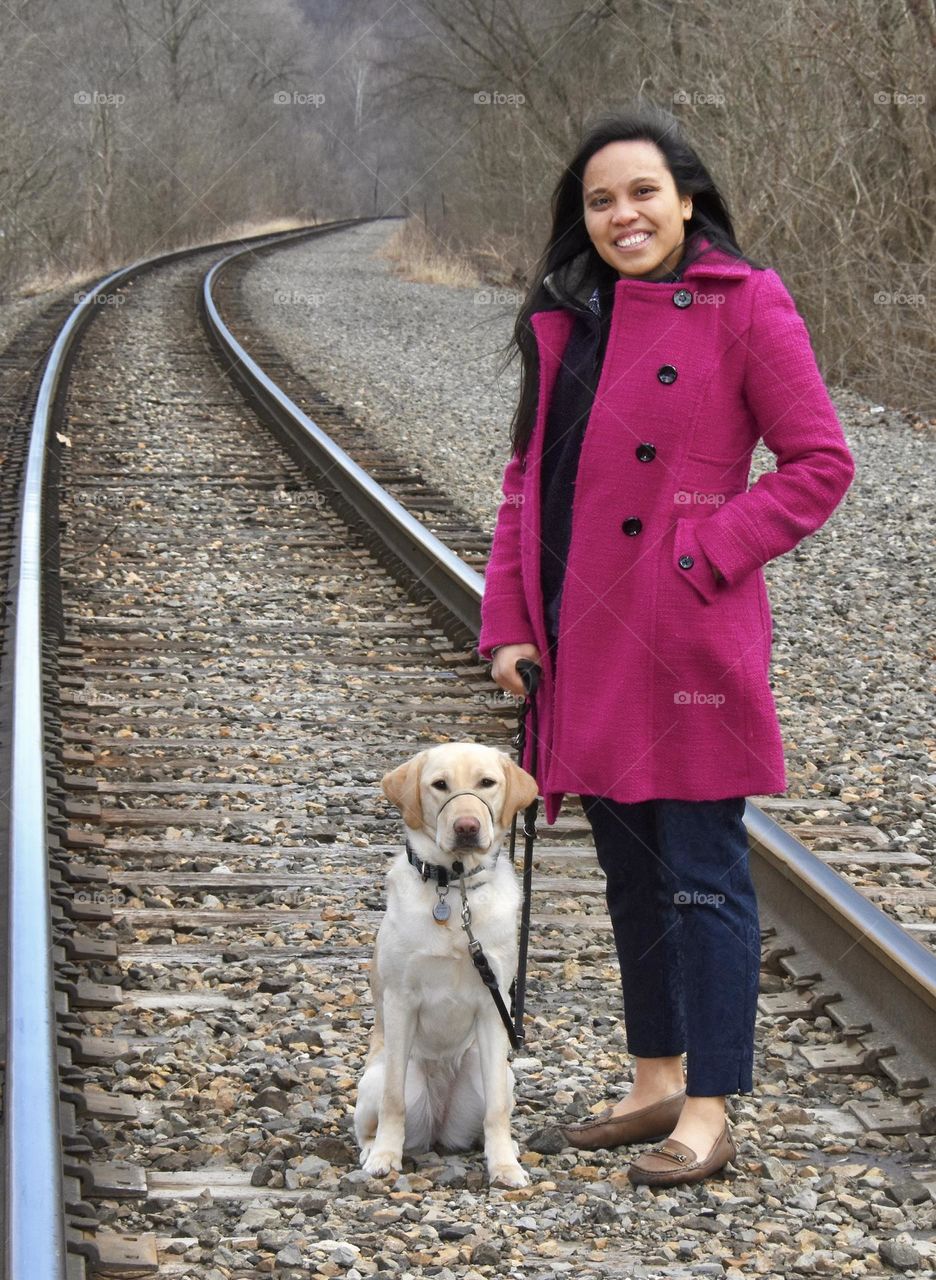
{"x": 660, "y": 688}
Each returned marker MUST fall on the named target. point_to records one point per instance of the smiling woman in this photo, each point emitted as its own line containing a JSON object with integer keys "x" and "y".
{"x": 627, "y": 561}
{"x": 634, "y": 215}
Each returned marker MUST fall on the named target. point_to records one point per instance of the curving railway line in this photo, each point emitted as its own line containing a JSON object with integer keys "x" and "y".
{"x": 217, "y": 636}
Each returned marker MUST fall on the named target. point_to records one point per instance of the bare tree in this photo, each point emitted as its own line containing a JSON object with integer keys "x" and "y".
{"x": 135, "y": 125}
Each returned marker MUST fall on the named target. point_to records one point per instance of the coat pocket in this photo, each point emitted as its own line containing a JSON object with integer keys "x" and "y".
{"x": 707, "y": 474}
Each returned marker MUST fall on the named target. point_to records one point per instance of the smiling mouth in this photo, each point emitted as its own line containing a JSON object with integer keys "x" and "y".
{"x": 633, "y": 241}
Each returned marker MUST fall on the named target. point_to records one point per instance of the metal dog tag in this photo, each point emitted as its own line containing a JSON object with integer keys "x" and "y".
{"x": 441, "y": 910}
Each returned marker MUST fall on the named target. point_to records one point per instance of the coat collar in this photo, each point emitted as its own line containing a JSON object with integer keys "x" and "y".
{"x": 574, "y": 282}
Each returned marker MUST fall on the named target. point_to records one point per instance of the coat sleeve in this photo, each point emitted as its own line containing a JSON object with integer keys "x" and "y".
{"x": 798, "y": 423}
{"x": 504, "y": 615}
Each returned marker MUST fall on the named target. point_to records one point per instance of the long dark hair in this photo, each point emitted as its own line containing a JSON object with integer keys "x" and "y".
{"x": 568, "y": 239}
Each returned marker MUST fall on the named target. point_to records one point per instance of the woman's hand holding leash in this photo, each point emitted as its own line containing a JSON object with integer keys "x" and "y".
{"x": 504, "y": 669}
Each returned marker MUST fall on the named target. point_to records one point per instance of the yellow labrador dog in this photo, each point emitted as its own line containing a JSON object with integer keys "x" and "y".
{"x": 437, "y": 1072}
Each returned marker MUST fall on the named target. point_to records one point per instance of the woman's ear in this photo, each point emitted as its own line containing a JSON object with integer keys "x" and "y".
{"x": 401, "y": 786}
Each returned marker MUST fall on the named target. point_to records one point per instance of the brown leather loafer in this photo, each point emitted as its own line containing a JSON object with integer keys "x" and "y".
{"x": 646, "y": 1125}
{"x": 673, "y": 1162}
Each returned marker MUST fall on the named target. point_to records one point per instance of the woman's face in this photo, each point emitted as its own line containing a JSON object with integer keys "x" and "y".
{"x": 630, "y": 196}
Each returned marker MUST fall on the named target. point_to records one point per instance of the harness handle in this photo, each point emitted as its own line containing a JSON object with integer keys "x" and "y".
{"x": 529, "y": 672}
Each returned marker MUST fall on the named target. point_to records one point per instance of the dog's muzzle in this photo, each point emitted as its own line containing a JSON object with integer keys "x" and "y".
{"x": 468, "y": 829}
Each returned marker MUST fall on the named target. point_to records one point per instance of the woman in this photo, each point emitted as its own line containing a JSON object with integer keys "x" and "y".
{"x": 627, "y": 561}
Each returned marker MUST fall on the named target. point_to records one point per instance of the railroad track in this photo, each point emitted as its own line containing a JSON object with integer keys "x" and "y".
{"x": 234, "y": 650}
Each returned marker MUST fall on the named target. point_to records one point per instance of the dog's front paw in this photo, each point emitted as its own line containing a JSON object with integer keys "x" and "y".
{"x": 379, "y": 1163}
{"x": 509, "y": 1175}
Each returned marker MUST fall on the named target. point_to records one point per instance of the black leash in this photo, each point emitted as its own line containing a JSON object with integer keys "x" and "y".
{"x": 530, "y": 673}
{"x": 488, "y": 977}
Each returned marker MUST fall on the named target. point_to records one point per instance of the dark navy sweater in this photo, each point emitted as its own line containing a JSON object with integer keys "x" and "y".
{"x": 569, "y": 409}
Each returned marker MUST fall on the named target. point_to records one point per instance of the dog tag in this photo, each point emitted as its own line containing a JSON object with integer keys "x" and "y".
{"x": 441, "y": 910}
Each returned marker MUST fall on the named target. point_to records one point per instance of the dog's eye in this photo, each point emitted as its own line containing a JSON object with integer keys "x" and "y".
{"x": 488, "y": 782}
{"x": 440, "y": 784}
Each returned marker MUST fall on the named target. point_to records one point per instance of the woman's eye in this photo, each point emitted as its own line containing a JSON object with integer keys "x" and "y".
{"x": 601, "y": 199}
{"x": 440, "y": 784}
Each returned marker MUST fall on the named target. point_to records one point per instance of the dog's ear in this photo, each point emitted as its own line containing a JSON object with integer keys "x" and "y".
{"x": 401, "y": 787}
{"x": 522, "y": 789}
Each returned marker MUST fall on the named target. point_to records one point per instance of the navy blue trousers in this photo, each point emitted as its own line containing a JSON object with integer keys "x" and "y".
{"x": 687, "y": 933}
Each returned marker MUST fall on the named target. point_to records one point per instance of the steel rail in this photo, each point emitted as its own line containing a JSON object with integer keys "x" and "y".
{"x": 35, "y": 1244}
{"x": 453, "y": 583}
{"x": 873, "y": 962}
{"x": 868, "y": 955}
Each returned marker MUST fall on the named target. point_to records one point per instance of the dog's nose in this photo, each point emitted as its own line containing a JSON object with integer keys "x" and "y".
{"x": 466, "y": 828}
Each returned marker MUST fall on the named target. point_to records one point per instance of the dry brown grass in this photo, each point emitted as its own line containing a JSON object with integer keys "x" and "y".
{"x": 414, "y": 253}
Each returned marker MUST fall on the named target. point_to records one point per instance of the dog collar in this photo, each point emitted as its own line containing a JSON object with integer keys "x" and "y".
{"x": 435, "y": 871}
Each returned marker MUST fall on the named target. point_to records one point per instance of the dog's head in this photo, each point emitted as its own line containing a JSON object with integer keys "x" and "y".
{"x": 461, "y": 794}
